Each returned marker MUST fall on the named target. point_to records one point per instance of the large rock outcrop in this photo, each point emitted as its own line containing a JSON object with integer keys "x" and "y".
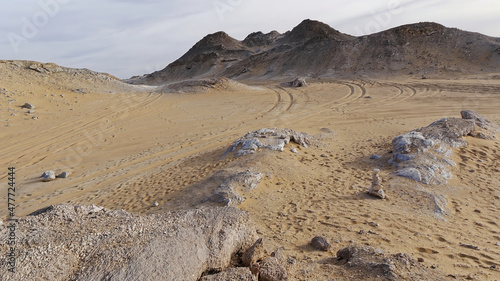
{"x": 274, "y": 139}
{"x": 425, "y": 154}
{"x": 66, "y": 242}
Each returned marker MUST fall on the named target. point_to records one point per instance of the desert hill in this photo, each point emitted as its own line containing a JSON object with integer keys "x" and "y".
{"x": 313, "y": 49}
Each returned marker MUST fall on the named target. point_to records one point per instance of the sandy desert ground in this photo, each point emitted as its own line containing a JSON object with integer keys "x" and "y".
{"x": 129, "y": 147}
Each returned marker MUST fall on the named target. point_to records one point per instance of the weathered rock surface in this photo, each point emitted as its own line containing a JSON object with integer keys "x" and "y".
{"x": 227, "y": 193}
{"x": 66, "y": 242}
{"x": 273, "y": 139}
{"x": 320, "y": 243}
{"x": 254, "y": 254}
{"x": 490, "y": 128}
{"x": 232, "y": 274}
{"x": 424, "y": 154}
{"x": 365, "y": 262}
{"x": 273, "y": 268}
{"x": 45, "y": 67}
{"x": 48, "y": 176}
{"x": 298, "y": 82}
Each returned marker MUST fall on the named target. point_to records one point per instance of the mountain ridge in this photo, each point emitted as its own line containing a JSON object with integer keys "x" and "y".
{"x": 314, "y": 49}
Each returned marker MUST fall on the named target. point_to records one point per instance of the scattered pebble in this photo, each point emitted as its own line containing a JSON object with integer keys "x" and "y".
{"x": 375, "y": 157}
{"x": 420, "y": 259}
{"x": 469, "y": 246}
{"x": 156, "y": 204}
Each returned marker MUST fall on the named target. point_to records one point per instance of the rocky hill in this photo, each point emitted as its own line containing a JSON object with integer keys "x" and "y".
{"x": 23, "y": 75}
{"x": 314, "y": 49}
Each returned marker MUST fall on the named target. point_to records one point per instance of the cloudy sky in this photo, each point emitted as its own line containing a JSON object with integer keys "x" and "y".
{"x": 133, "y": 37}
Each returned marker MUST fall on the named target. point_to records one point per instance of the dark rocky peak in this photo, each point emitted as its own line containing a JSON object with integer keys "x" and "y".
{"x": 309, "y": 29}
{"x": 260, "y": 39}
{"x": 216, "y": 39}
{"x": 213, "y": 44}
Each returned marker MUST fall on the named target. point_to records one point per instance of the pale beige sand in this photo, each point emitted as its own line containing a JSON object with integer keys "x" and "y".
{"x": 127, "y": 150}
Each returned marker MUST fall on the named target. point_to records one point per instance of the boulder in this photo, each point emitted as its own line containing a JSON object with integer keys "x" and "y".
{"x": 48, "y": 176}
{"x": 320, "y": 243}
{"x": 298, "y": 82}
{"x": 481, "y": 122}
{"x": 273, "y": 268}
{"x": 66, "y": 242}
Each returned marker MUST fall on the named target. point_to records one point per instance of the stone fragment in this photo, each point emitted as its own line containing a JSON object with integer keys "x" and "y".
{"x": 254, "y": 254}
{"x": 320, "y": 243}
{"x": 28, "y": 106}
{"x": 48, "y": 176}
{"x": 63, "y": 175}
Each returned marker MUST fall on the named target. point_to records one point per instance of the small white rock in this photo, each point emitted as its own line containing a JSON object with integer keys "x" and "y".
{"x": 48, "y": 176}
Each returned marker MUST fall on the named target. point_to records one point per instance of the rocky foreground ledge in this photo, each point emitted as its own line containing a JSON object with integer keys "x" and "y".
{"x": 66, "y": 242}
